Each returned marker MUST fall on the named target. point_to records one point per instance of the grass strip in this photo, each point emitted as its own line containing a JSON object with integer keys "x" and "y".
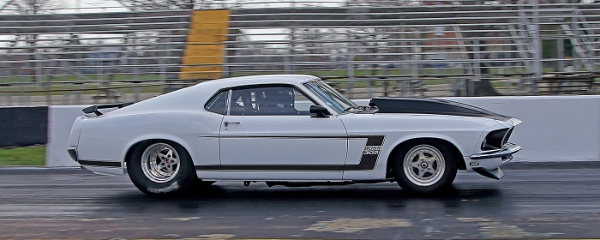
{"x": 23, "y": 156}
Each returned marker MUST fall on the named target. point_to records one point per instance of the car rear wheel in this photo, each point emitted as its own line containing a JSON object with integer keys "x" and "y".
{"x": 425, "y": 167}
{"x": 161, "y": 168}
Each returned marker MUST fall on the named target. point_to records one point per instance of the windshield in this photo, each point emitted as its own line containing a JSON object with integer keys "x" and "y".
{"x": 333, "y": 98}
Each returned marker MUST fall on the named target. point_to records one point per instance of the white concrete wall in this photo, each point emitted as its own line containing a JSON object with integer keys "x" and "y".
{"x": 554, "y": 128}
{"x": 60, "y": 120}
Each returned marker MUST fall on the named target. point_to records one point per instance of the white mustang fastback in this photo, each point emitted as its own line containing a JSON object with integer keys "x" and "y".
{"x": 291, "y": 130}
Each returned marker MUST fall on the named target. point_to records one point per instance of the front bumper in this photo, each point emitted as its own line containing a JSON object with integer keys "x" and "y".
{"x": 506, "y": 152}
{"x": 488, "y": 163}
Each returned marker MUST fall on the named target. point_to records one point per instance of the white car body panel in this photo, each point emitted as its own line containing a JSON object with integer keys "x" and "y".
{"x": 75, "y": 132}
{"x": 185, "y": 130}
{"x": 355, "y": 150}
{"x": 269, "y": 141}
{"x": 343, "y": 143}
{"x": 462, "y": 132}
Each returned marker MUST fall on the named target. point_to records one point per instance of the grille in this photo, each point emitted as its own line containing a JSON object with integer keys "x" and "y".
{"x": 495, "y": 139}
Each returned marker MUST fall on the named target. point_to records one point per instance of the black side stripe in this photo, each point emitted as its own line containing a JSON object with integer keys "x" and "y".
{"x": 282, "y": 136}
{"x": 370, "y": 154}
{"x": 368, "y": 159}
{"x": 294, "y": 136}
{"x": 99, "y": 163}
{"x": 272, "y": 167}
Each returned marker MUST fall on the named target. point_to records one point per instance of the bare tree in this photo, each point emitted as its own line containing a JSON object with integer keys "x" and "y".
{"x": 144, "y": 5}
{"x": 480, "y": 88}
{"x": 30, "y": 7}
{"x": 153, "y": 5}
{"x": 483, "y": 87}
{"x": 379, "y": 3}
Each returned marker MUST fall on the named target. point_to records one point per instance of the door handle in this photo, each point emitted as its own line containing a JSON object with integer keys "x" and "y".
{"x": 226, "y": 123}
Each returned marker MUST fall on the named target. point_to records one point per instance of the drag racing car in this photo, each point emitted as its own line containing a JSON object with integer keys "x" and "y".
{"x": 290, "y": 130}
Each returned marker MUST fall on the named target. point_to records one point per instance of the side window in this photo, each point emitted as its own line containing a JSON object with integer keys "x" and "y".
{"x": 269, "y": 100}
{"x": 302, "y": 103}
{"x": 243, "y": 102}
{"x": 218, "y": 103}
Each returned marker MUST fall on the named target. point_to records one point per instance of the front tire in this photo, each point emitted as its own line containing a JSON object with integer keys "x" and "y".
{"x": 425, "y": 167}
{"x": 161, "y": 168}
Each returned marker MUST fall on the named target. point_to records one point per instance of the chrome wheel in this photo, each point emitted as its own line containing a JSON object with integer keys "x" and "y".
{"x": 424, "y": 165}
{"x": 160, "y": 162}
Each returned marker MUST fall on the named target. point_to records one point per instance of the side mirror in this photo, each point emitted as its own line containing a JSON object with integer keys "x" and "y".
{"x": 319, "y": 111}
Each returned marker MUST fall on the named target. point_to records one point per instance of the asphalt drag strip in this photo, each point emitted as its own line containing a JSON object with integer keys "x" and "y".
{"x": 531, "y": 201}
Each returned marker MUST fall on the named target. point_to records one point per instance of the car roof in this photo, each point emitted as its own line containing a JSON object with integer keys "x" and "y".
{"x": 258, "y": 79}
{"x": 191, "y": 97}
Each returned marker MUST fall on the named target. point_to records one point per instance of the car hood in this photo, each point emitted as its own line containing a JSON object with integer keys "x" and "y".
{"x": 432, "y": 106}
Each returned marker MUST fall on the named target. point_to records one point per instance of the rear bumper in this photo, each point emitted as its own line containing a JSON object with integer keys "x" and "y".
{"x": 73, "y": 153}
{"x": 98, "y": 167}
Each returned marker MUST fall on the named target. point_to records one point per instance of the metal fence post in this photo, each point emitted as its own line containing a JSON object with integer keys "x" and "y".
{"x": 414, "y": 70}
{"x": 560, "y": 54}
{"x": 371, "y": 79}
{"x": 8, "y": 99}
{"x": 286, "y": 60}
{"x": 163, "y": 70}
{"x": 477, "y": 58}
{"x": 350, "y": 72}
{"x": 476, "y": 67}
{"x": 20, "y": 97}
{"x": 537, "y": 45}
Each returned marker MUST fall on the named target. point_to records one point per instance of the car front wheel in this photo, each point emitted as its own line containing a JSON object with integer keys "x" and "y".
{"x": 425, "y": 167}
{"x": 161, "y": 168}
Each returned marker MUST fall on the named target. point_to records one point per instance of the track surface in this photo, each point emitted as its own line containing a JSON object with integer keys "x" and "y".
{"x": 526, "y": 203}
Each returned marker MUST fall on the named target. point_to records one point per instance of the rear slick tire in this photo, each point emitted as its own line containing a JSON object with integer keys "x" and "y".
{"x": 425, "y": 167}
{"x": 161, "y": 168}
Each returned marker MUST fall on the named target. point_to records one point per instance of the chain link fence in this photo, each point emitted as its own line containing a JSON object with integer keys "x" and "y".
{"x": 363, "y": 48}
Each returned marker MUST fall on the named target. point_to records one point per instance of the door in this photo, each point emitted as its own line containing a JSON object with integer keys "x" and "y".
{"x": 269, "y": 134}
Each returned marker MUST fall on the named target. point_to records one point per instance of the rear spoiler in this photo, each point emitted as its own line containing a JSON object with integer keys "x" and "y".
{"x": 94, "y": 108}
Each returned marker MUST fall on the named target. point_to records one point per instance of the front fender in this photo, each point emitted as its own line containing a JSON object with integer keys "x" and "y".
{"x": 414, "y": 136}
{"x": 393, "y": 145}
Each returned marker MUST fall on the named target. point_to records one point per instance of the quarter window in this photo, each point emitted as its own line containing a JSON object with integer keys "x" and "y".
{"x": 218, "y": 103}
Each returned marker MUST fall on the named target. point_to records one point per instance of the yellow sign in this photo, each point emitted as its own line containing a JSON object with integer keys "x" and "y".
{"x": 204, "y": 52}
